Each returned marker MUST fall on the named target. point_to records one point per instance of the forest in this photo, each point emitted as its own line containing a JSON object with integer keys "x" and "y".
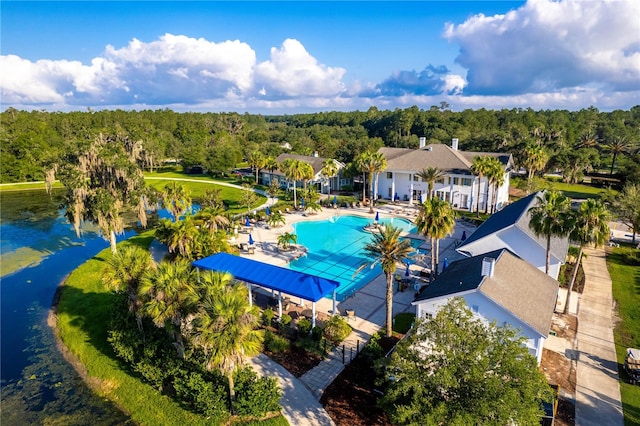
{"x": 577, "y": 143}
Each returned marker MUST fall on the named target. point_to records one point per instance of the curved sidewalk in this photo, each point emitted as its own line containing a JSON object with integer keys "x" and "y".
{"x": 598, "y": 401}
{"x": 299, "y": 406}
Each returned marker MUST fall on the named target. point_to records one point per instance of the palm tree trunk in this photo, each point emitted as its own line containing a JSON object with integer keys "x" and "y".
{"x": 364, "y": 186}
{"x": 573, "y": 280}
{"x": 613, "y": 162}
{"x": 295, "y": 204}
{"x": 389, "y": 304}
{"x": 437, "y": 255}
{"x": 433, "y": 260}
{"x": 112, "y": 242}
{"x": 486, "y": 198}
{"x": 370, "y": 192}
{"x": 546, "y": 268}
{"x": 232, "y": 391}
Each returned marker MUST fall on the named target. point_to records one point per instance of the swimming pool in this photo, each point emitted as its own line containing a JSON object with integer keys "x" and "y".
{"x": 335, "y": 250}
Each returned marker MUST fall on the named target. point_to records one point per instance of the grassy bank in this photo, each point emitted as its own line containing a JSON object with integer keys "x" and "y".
{"x": 626, "y": 292}
{"x": 83, "y": 313}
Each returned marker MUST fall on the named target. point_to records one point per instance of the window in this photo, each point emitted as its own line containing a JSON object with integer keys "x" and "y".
{"x": 456, "y": 181}
{"x": 441, "y": 180}
{"x": 466, "y": 182}
{"x": 389, "y": 175}
{"x": 416, "y": 178}
{"x": 475, "y": 308}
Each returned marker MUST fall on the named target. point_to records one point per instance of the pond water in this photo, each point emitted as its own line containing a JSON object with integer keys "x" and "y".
{"x": 38, "y": 248}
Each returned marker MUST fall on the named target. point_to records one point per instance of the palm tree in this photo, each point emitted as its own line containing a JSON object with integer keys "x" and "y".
{"x": 276, "y": 219}
{"x": 588, "y": 140}
{"x": 285, "y": 240}
{"x": 535, "y": 159}
{"x": 589, "y": 225}
{"x": 176, "y": 199}
{"x": 436, "y": 220}
{"x": 329, "y": 170}
{"x": 615, "y": 147}
{"x": 211, "y": 220}
{"x": 479, "y": 167}
{"x": 388, "y": 250}
{"x": 430, "y": 175}
{"x": 549, "y": 218}
{"x": 165, "y": 295}
{"x": 294, "y": 170}
{"x": 627, "y": 207}
{"x": 225, "y": 327}
{"x": 256, "y": 162}
{"x": 371, "y": 163}
{"x": 125, "y": 271}
{"x": 495, "y": 178}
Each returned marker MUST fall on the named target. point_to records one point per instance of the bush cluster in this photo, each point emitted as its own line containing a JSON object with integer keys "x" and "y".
{"x": 155, "y": 359}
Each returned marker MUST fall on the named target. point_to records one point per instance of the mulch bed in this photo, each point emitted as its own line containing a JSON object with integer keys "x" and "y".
{"x": 295, "y": 360}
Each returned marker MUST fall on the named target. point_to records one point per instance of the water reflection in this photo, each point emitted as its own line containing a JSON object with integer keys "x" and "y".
{"x": 38, "y": 249}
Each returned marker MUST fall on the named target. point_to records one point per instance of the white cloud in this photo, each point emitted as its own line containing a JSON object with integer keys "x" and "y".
{"x": 547, "y": 45}
{"x": 292, "y": 71}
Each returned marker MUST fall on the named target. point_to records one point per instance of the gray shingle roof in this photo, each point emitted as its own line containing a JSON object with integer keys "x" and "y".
{"x": 442, "y": 156}
{"x": 517, "y": 214}
{"x": 316, "y": 162}
{"x": 522, "y": 289}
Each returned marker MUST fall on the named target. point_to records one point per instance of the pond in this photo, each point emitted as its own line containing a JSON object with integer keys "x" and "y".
{"x": 38, "y": 249}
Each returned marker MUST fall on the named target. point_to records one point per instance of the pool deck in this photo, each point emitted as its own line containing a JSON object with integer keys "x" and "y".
{"x": 368, "y": 303}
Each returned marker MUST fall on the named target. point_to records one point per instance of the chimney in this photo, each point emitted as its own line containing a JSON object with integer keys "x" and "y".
{"x": 454, "y": 144}
{"x": 488, "y": 265}
{"x": 423, "y": 142}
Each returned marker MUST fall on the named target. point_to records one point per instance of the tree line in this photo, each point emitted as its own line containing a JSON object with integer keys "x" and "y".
{"x": 570, "y": 142}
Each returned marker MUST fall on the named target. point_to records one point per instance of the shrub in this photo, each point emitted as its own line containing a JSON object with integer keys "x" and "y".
{"x": 285, "y": 319}
{"x": 275, "y": 343}
{"x": 267, "y": 316}
{"x": 304, "y": 326}
{"x": 374, "y": 349}
{"x": 208, "y": 397}
{"x": 336, "y": 330}
{"x": 255, "y": 396}
{"x": 631, "y": 257}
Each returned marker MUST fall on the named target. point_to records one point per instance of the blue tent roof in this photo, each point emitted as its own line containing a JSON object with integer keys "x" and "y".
{"x": 299, "y": 284}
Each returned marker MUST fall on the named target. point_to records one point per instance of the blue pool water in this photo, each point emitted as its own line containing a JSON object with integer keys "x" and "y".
{"x": 336, "y": 250}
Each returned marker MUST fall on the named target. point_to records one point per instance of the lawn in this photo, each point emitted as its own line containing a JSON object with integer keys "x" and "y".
{"x": 626, "y": 292}
{"x": 82, "y": 318}
{"x": 577, "y": 191}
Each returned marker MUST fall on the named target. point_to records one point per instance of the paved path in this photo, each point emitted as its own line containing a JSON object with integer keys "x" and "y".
{"x": 597, "y": 388}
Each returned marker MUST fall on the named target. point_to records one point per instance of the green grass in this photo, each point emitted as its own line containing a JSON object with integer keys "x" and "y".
{"x": 403, "y": 322}
{"x": 577, "y": 191}
{"x": 626, "y": 292}
{"x": 83, "y": 316}
{"x": 26, "y": 186}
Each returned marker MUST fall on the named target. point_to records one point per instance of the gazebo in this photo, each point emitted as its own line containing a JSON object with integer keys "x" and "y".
{"x": 276, "y": 278}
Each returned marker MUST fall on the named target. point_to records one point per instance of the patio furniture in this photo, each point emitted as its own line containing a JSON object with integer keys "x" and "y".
{"x": 350, "y": 314}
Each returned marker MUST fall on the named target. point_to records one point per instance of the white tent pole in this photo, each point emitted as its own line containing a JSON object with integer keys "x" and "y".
{"x": 333, "y": 309}
{"x": 313, "y": 314}
{"x": 280, "y": 304}
{"x": 250, "y": 296}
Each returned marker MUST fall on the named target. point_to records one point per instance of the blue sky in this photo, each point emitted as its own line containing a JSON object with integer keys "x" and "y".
{"x": 288, "y": 57}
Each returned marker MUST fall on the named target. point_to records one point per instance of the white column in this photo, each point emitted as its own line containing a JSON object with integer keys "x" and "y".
{"x": 393, "y": 186}
{"x": 250, "y": 296}
{"x": 333, "y": 309}
{"x": 410, "y": 189}
{"x": 313, "y": 314}
{"x": 280, "y": 304}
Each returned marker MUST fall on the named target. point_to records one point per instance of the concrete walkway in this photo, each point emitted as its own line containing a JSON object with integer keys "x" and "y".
{"x": 597, "y": 389}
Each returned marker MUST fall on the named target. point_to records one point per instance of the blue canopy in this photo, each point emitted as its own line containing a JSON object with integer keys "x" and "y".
{"x": 251, "y": 239}
{"x": 246, "y": 222}
{"x": 299, "y": 284}
{"x": 377, "y": 217}
{"x": 407, "y": 272}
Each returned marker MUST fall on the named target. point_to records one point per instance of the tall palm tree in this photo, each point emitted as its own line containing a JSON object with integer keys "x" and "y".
{"x": 549, "y": 218}
{"x": 225, "y": 327}
{"x": 125, "y": 271}
{"x": 294, "y": 170}
{"x": 165, "y": 295}
{"x": 430, "y": 175}
{"x": 495, "y": 178}
{"x": 388, "y": 250}
{"x": 615, "y": 147}
{"x": 535, "y": 159}
{"x": 329, "y": 170}
{"x": 176, "y": 199}
{"x": 479, "y": 167}
{"x": 436, "y": 220}
{"x": 589, "y": 225}
{"x": 256, "y": 161}
{"x": 372, "y": 163}
{"x": 627, "y": 207}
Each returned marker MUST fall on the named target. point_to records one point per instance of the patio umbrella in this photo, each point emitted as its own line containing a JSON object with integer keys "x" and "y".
{"x": 445, "y": 265}
{"x": 302, "y": 202}
{"x": 335, "y": 200}
{"x": 267, "y": 211}
{"x": 246, "y": 222}
{"x": 251, "y": 240}
{"x": 377, "y": 217}
{"x": 396, "y": 197}
{"x": 464, "y": 236}
{"x": 407, "y": 272}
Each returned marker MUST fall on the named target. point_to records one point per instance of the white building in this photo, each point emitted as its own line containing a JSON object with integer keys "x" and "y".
{"x": 459, "y": 186}
{"x": 509, "y": 228}
{"x": 497, "y": 286}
